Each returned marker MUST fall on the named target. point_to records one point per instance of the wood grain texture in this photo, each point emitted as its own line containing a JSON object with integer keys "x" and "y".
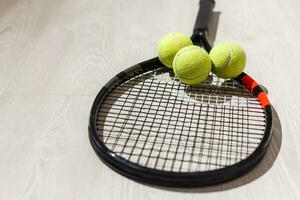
{"x": 56, "y": 55}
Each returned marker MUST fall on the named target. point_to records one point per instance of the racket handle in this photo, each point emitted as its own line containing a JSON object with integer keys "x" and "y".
{"x": 206, "y": 7}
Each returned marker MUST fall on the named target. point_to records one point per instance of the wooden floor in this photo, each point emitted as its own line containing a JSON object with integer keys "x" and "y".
{"x": 56, "y": 55}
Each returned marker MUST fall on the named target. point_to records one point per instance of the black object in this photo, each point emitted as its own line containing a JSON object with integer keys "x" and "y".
{"x": 201, "y": 24}
{"x": 149, "y": 127}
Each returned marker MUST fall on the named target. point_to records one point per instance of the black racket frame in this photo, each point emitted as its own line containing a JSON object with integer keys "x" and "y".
{"x": 166, "y": 178}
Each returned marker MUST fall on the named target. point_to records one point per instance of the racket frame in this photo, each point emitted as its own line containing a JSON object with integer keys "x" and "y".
{"x": 179, "y": 179}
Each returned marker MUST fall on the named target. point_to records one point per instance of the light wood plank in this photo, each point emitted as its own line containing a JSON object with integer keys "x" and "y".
{"x": 56, "y": 55}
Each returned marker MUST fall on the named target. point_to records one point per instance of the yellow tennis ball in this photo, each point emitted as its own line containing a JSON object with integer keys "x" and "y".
{"x": 228, "y": 60}
{"x": 192, "y": 65}
{"x": 169, "y": 45}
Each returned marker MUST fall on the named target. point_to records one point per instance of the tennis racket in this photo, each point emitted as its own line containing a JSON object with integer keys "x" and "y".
{"x": 148, "y": 126}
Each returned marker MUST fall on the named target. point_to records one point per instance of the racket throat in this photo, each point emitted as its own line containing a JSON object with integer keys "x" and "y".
{"x": 200, "y": 38}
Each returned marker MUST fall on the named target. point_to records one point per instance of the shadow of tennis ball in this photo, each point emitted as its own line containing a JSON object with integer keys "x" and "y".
{"x": 209, "y": 92}
{"x": 218, "y": 91}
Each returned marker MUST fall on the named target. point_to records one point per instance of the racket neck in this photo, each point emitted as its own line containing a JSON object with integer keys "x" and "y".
{"x": 201, "y": 26}
{"x": 200, "y": 38}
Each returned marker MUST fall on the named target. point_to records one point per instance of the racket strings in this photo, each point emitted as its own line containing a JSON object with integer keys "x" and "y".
{"x": 155, "y": 121}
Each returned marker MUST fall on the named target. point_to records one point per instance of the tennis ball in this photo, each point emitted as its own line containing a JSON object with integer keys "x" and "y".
{"x": 192, "y": 65}
{"x": 228, "y": 60}
{"x": 169, "y": 45}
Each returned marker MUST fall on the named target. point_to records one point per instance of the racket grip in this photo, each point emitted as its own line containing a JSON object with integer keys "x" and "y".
{"x": 206, "y": 7}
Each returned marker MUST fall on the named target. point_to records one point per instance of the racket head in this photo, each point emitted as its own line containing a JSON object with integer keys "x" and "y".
{"x": 165, "y": 153}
